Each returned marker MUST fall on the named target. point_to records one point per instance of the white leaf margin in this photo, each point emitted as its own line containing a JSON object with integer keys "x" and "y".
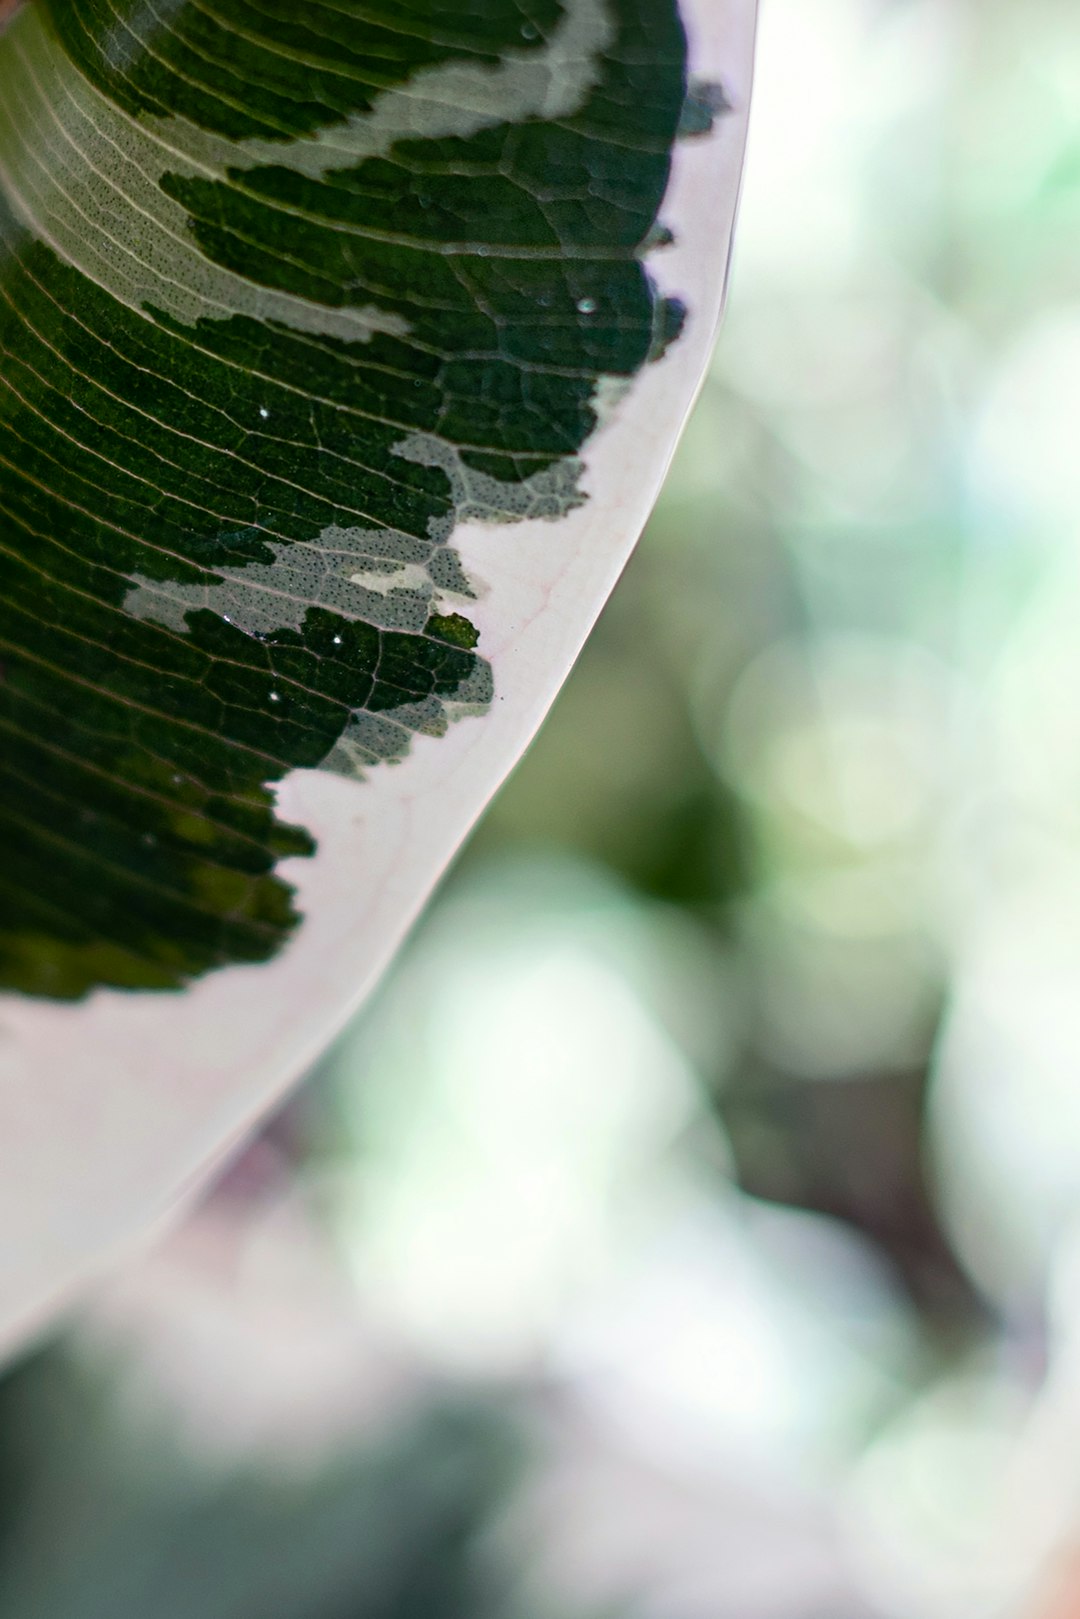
{"x": 115, "y": 1110}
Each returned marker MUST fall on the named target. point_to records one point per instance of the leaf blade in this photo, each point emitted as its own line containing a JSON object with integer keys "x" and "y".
{"x": 160, "y": 1082}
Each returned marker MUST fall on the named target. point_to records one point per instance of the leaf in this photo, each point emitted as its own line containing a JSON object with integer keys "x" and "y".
{"x": 342, "y": 352}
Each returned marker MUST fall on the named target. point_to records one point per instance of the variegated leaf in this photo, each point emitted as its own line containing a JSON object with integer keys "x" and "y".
{"x": 343, "y": 347}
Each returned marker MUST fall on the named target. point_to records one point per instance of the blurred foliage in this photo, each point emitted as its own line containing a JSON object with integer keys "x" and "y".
{"x": 729, "y": 1088}
{"x": 101, "y": 1522}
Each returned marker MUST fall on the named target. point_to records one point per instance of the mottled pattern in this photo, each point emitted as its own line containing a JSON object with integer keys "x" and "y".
{"x": 286, "y": 293}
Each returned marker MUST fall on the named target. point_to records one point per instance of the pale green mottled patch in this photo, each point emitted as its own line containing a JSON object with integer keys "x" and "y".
{"x": 479, "y": 498}
{"x": 454, "y": 99}
{"x": 380, "y": 576}
{"x": 373, "y": 576}
{"x": 373, "y": 739}
{"x": 85, "y": 177}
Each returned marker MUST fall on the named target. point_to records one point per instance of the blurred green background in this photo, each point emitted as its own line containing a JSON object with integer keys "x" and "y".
{"x": 689, "y": 1229}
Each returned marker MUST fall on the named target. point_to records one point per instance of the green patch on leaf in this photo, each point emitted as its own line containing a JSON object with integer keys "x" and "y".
{"x": 286, "y": 294}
